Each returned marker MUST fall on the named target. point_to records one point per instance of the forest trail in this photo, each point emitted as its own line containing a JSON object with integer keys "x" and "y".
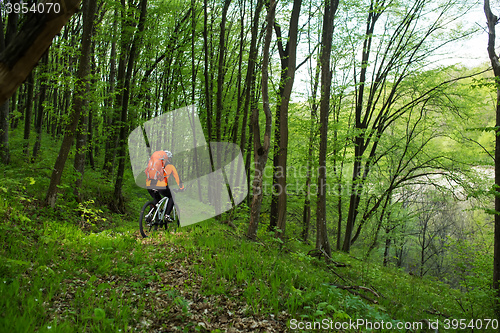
{"x": 168, "y": 296}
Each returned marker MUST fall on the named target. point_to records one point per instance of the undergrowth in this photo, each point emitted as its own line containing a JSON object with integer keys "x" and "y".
{"x": 81, "y": 268}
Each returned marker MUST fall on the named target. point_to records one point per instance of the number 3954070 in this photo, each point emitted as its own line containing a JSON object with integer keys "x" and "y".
{"x": 48, "y": 7}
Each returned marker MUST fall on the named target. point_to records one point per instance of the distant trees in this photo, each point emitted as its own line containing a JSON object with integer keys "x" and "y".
{"x": 391, "y": 58}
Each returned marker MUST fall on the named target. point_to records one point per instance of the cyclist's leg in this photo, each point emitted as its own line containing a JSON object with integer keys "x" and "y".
{"x": 155, "y": 195}
{"x": 170, "y": 204}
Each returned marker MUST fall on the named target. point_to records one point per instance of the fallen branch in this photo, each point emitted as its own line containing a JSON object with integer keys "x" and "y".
{"x": 320, "y": 252}
{"x": 437, "y": 313}
{"x": 369, "y": 290}
{"x": 229, "y": 223}
{"x": 352, "y": 291}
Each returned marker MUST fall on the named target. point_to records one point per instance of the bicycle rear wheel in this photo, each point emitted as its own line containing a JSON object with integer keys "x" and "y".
{"x": 146, "y": 223}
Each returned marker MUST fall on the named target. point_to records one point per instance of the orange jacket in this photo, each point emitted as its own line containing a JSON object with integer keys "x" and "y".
{"x": 168, "y": 170}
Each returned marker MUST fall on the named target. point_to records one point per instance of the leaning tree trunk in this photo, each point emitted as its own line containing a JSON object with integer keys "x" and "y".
{"x": 261, "y": 150}
{"x": 26, "y": 48}
{"x": 495, "y": 62}
{"x": 79, "y": 95}
{"x": 360, "y": 126}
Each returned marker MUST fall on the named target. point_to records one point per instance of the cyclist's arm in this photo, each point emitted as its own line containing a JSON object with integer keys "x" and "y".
{"x": 173, "y": 170}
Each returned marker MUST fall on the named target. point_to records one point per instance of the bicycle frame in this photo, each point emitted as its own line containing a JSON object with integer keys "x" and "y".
{"x": 161, "y": 210}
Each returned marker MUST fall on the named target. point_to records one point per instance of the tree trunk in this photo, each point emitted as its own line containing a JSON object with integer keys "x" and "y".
{"x": 23, "y": 53}
{"x": 288, "y": 59}
{"x": 19, "y": 93}
{"x": 28, "y": 112}
{"x": 206, "y": 53}
{"x": 239, "y": 94}
{"x": 322, "y": 242}
{"x": 110, "y": 116}
{"x": 118, "y": 197}
{"x": 4, "y": 133}
{"x": 387, "y": 247}
{"x": 495, "y": 62}
{"x": 360, "y": 126}
{"x": 220, "y": 70}
{"x": 43, "y": 93}
{"x": 79, "y": 96}
{"x": 261, "y": 150}
{"x": 4, "y": 112}
{"x": 306, "y": 212}
{"x": 249, "y": 88}
{"x": 92, "y": 146}
{"x": 81, "y": 146}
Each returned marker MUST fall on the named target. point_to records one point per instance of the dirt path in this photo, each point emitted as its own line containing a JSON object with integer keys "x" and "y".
{"x": 169, "y": 301}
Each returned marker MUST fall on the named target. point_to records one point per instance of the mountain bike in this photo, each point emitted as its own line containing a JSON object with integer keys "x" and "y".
{"x": 153, "y": 217}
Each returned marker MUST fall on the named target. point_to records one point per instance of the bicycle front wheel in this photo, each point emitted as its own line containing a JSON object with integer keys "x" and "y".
{"x": 146, "y": 223}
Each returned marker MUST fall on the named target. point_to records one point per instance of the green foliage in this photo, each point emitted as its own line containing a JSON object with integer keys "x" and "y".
{"x": 111, "y": 276}
{"x": 81, "y": 268}
{"x": 91, "y": 217}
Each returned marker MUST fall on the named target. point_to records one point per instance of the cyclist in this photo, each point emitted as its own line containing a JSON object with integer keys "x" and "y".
{"x": 159, "y": 169}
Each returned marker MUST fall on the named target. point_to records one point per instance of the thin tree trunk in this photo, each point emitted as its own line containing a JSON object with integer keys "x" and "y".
{"x": 4, "y": 112}
{"x": 28, "y": 114}
{"x": 119, "y": 203}
{"x": 4, "y": 133}
{"x": 19, "y": 93}
{"x": 43, "y": 93}
{"x": 208, "y": 99}
{"x": 359, "y": 147}
{"x": 81, "y": 146}
{"x": 261, "y": 150}
{"x": 220, "y": 70}
{"x": 288, "y": 67}
{"x": 4, "y": 108}
{"x": 379, "y": 225}
{"x": 79, "y": 95}
{"x": 92, "y": 146}
{"x": 495, "y": 62}
{"x": 306, "y": 213}
{"x": 110, "y": 116}
{"x": 250, "y": 79}
{"x": 387, "y": 247}
{"x": 239, "y": 94}
{"x": 322, "y": 242}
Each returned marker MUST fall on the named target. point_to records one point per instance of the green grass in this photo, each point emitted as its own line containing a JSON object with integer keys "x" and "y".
{"x": 81, "y": 268}
{"x": 57, "y": 276}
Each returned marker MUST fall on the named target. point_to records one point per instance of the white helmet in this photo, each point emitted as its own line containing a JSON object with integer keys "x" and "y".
{"x": 169, "y": 153}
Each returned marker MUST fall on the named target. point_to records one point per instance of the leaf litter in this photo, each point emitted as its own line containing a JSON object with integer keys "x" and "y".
{"x": 165, "y": 296}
